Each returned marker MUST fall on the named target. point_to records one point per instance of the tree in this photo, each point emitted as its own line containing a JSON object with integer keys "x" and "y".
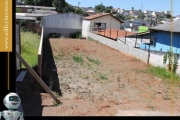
{"x": 108, "y": 9}
{"x": 114, "y": 12}
{"x": 18, "y": 10}
{"x": 168, "y": 16}
{"x": 80, "y": 11}
{"x": 99, "y": 8}
{"x": 132, "y": 9}
{"x": 120, "y": 17}
{"x": 141, "y": 16}
{"x": 129, "y": 17}
{"x": 48, "y": 3}
{"x": 62, "y": 6}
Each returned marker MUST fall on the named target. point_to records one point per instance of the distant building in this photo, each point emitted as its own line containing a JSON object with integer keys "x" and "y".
{"x": 90, "y": 12}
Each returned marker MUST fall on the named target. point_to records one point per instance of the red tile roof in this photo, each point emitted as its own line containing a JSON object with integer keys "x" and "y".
{"x": 94, "y": 16}
{"x": 114, "y": 33}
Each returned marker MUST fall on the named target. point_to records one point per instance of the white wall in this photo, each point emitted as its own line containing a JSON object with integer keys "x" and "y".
{"x": 64, "y": 23}
{"x": 156, "y": 58}
{"x": 140, "y": 54}
{"x": 64, "y": 20}
{"x": 85, "y": 27}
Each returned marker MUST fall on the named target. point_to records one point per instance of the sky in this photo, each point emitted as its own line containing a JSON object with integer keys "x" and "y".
{"x": 153, "y": 5}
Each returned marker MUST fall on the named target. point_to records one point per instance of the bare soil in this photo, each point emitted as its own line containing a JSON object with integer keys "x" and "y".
{"x": 118, "y": 83}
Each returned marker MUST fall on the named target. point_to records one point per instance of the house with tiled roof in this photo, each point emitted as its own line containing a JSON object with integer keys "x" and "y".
{"x": 99, "y": 21}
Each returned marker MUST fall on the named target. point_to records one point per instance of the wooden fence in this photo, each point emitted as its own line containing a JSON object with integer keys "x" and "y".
{"x": 40, "y": 55}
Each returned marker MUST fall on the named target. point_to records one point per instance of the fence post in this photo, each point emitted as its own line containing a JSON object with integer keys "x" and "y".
{"x": 117, "y": 33}
{"x": 110, "y": 32}
{"x": 136, "y": 41}
{"x": 125, "y": 36}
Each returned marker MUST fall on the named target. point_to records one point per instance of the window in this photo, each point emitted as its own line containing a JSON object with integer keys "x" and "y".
{"x": 153, "y": 42}
{"x": 38, "y": 19}
{"x": 102, "y": 26}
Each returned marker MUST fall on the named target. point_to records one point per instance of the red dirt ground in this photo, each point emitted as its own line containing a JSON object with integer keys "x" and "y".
{"x": 129, "y": 86}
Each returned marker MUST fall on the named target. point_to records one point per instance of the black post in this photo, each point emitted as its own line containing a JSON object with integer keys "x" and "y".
{"x": 117, "y": 33}
{"x": 136, "y": 41}
{"x": 125, "y": 36}
{"x": 149, "y": 52}
{"x": 110, "y": 32}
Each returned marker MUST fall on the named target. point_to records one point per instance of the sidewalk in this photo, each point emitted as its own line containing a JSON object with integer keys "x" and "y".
{"x": 144, "y": 113}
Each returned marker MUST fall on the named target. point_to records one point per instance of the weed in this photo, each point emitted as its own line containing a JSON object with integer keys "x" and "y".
{"x": 87, "y": 77}
{"x": 103, "y": 77}
{"x": 89, "y": 66}
{"x": 56, "y": 57}
{"x": 119, "y": 81}
{"x": 166, "y": 97}
{"x": 163, "y": 74}
{"x": 97, "y": 62}
{"x": 101, "y": 97}
{"x": 78, "y": 59}
{"x": 55, "y": 103}
{"x": 152, "y": 107}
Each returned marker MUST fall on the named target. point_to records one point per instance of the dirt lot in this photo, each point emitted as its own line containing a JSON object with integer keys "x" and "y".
{"x": 102, "y": 82}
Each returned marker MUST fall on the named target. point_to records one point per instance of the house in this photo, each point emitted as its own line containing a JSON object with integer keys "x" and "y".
{"x": 33, "y": 15}
{"x": 162, "y": 37}
{"x": 177, "y": 18}
{"x": 166, "y": 12}
{"x": 31, "y": 8}
{"x": 147, "y": 13}
{"x": 87, "y": 8}
{"x": 90, "y": 12}
{"x": 99, "y": 21}
{"x": 62, "y": 23}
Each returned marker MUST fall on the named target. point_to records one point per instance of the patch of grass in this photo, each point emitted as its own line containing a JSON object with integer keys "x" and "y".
{"x": 103, "y": 77}
{"x": 78, "y": 59}
{"x": 56, "y": 57}
{"x": 164, "y": 74}
{"x": 152, "y": 107}
{"x": 29, "y": 47}
{"x": 55, "y": 103}
{"x": 91, "y": 39}
{"x": 97, "y": 62}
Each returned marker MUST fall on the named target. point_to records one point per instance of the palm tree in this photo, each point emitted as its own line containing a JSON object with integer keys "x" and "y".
{"x": 173, "y": 60}
{"x": 132, "y": 9}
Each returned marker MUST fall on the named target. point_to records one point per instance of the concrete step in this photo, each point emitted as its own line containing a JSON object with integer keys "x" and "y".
{"x": 21, "y": 76}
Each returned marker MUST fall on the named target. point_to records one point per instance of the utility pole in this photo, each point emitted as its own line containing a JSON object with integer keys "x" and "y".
{"x": 78, "y": 4}
{"x": 141, "y": 13}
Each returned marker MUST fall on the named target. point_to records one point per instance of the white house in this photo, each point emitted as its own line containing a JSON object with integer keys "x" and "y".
{"x": 105, "y": 20}
{"x": 90, "y": 12}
